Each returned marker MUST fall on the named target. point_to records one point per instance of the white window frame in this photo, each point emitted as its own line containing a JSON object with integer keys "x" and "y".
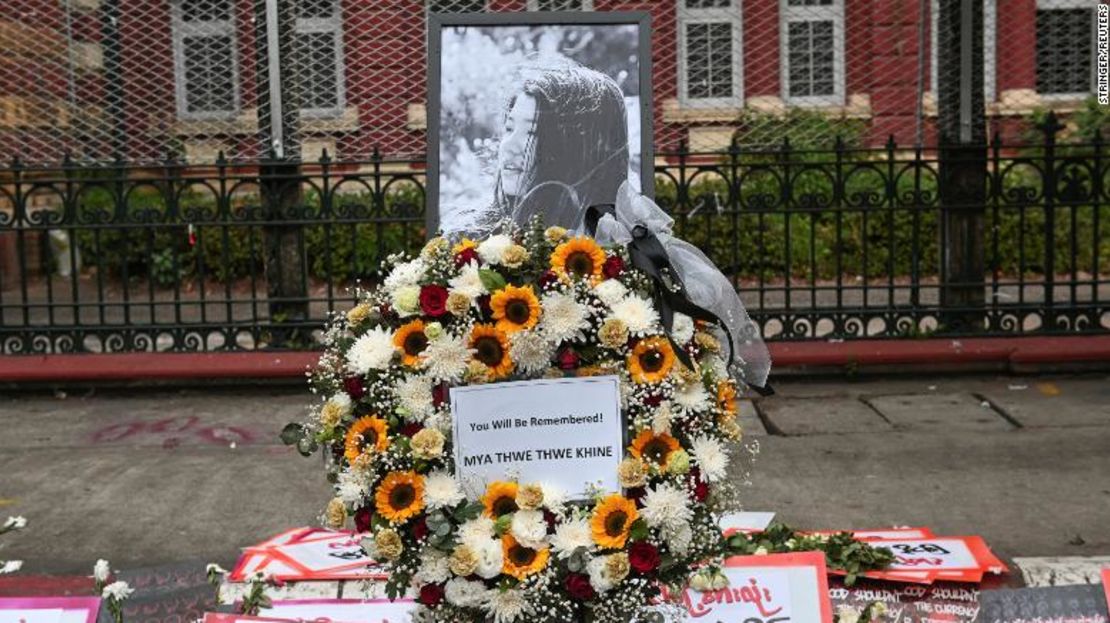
{"x": 733, "y": 15}
{"x": 332, "y": 25}
{"x": 211, "y": 28}
{"x": 587, "y": 5}
{"x": 789, "y": 14}
{"x": 990, "y": 49}
{"x": 1049, "y": 5}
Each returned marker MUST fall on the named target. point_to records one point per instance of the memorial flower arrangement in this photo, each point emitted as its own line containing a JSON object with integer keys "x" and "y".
{"x": 530, "y": 304}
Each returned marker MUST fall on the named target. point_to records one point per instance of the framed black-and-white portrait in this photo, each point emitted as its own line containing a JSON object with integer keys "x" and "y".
{"x": 535, "y": 114}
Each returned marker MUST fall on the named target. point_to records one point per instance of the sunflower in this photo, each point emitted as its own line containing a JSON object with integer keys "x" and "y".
{"x": 612, "y": 520}
{"x": 500, "y": 498}
{"x": 366, "y": 435}
{"x": 580, "y": 257}
{"x": 520, "y": 561}
{"x": 411, "y": 341}
{"x": 653, "y": 447}
{"x": 515, "y": 308}
{"x": 651, "y": 360}
{"x": 492, "y": 349}
{"x": 400, "y": 496}
{"x": 726, "y": 397}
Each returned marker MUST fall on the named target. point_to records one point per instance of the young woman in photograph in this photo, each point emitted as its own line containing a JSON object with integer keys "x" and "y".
{"x": 564, "y": 147}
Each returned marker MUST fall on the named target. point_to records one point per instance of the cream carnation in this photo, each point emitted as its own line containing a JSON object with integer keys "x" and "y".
{"x": 711, "y": 457}
{"x": 441, "y": 490}
{"x": 474, "y": 531}
{"x": 468, "y": 282}
{"x": 446, "y": 359}
{"x": 564, "y": 318}
{"x": 493, "y": 248}
{"x": 570, "y": 535}
{"x": 489, "y": 558}
{"x": 373, "y": 350}
{"x": 529, "y": 528}
{"x": 637, "y": 314}
{"x": 530, "y": 351}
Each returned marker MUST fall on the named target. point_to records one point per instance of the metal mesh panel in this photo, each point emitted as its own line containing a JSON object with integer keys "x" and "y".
{"x": 141, "y": 80}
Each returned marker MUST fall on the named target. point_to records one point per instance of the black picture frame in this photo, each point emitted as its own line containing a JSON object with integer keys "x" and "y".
{"x": 438, "y": 21}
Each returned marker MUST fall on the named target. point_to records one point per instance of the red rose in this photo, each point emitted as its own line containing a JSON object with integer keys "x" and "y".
{"x": 698, "y": 488}
{"x": 547, "y": 278}
{"x": 439, "y": 394}
{"x": 433, "y": 300}
{"x": 431, "y": 594}
{"x": 420, "y": 529}
{"x": 353, "y": 386}
{"x": 410, "y": 429}
{"x": 653, "y": 400}
{"x": 613, "y": 267}
{"x": 578, "y": 587}
{"x": 483, "y": 304}
{"x": 701, "y": 491}
{"x": 568, "y": 359}
{"x": 466, "y": 256}
{"x": 362, "y": 519}
{"x": 643, "y": 557}
{"x": 552, "y": 520}
{"x": 636, "y": 494}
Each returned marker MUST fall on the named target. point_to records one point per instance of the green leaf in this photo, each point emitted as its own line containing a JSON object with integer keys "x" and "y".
{"x": 292, "y": 433}
{"x": 491, "y": 279}
{"x": 639, "y": 530}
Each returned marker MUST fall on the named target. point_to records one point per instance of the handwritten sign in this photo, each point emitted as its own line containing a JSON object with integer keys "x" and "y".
{"x": 310, "y": 554}
{"x": 565, "y": 432}
{"x": 777, "y": 588}
{"x": 49, "y": 609}
{"x": 954, "y": 559}
{"x": 1083, "y": 603}
{"x": 335, "y": 610}
{"x": 910, "y": 603}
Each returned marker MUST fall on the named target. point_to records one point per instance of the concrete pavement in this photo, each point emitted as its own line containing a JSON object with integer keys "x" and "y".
{"x": 157, "y": 476}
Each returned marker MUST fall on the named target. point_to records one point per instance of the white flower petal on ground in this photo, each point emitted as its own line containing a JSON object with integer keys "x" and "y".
{"x": 11, "y": 566}
{"x": 468, "y": 281}
{"x": 371, "y": 351}
{"x": 530, "y": 351}
{"x": 405, "y": 274}
{"x": 491, "y": 249}
{"x": 441, "y": 490}
{"x": 564, "y": 318}
{"x": 637, "y": 313}
{"x": 15, "y": 523}
{"x": 446, "y": 359}
{"x": 570, "y": 535}
{"x": 711, "y": 457}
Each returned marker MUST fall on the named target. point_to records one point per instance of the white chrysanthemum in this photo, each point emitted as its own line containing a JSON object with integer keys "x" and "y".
{"x": 570, "y": 535}
{"x": 468, "y": 281}
{"x": 446, "y": 358}
{"x": 508, "y": 605}
{"x": 530, "y": 351}
{"x": 610, "y": 291}
{"x": 564, "y": 318}
{"x": 637, "y": 313}
{"x": 666, "y": 507}
{"x": 117, "y": 590}
{"x": 529, "y": 528}
{"x": 599, "y": 575}
{"x": 474, "y": 531}
{"x": 682, "y": 328}
{"x": 465, "y": 593}
{"x": 350, "y": 488}
{"x": 405, "y": 274}
{"x": 371, "y": 351}
{"x": 441, "y": 490}
{"x": 554, "y": 496}
{"x": 711, "y": 457}
{"x": 692, "y": 397}
{"x": 414, "y": 395}
{"x": 491, "y": 249}
{"x": 101, "y": 571}
{"x": 489, "y": 557}
{"x": 435, "y": 567}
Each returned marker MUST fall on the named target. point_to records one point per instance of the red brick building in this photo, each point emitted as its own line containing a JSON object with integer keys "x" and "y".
{"x": 147, "y": 77}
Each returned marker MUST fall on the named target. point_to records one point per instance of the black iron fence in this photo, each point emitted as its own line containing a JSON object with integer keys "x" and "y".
{"x": 833, "y": 244}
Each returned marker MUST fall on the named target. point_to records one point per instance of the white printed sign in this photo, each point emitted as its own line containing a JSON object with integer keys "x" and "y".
{"x": 564, "y": 432}
{"x": 331, "y": 610}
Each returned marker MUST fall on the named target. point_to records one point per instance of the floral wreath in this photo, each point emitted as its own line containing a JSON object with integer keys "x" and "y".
{"x": 533, "y": 303}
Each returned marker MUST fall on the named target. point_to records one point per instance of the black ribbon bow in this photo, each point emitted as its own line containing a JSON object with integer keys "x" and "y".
{"x": 647, "y": 254}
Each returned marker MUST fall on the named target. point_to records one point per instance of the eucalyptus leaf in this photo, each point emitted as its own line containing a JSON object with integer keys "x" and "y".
{"x": 292, "y": 433}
